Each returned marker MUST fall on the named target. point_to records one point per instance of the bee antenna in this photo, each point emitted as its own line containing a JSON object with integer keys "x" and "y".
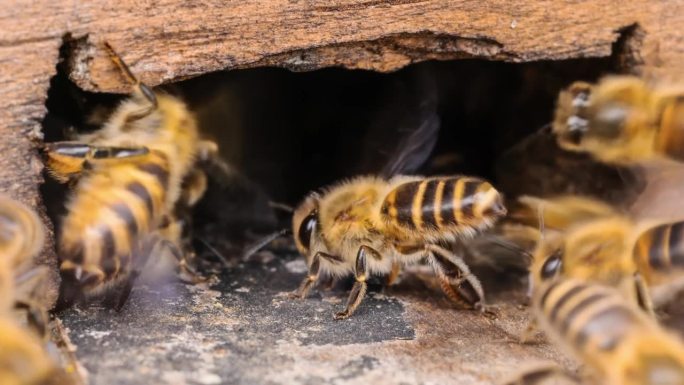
{"x": 513, "y": 247}
{"x": 281, "y": 206}
{"x": 213, "y": 250}
{"x": 540, "y": 216}
{"x": 118, "y": 61}
{"x": 260, "y": 243}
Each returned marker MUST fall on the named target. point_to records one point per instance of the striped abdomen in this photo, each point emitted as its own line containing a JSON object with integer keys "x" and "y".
{"x": 670, "y": 138}
{"x": 661, "y": 249}
{"x": 443, "y": 204}
{"x": 112, "y": 209}
{"x": 590, "y": 318}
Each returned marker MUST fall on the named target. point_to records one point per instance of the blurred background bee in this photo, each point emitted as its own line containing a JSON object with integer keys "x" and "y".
{"x": 641, "y": 258}
{"x": 130, "y": 177}
{"x": 622, "y": 119}
{"x": 618, "y": 343}
{"x": 24, "y": 359}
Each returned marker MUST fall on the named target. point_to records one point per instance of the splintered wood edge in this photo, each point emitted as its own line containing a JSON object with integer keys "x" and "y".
{"x": 181, "y": 43}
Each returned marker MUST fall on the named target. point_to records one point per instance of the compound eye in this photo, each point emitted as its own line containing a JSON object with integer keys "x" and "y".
{"x": 306, "y": 228}
{"x": 553, "y": 265}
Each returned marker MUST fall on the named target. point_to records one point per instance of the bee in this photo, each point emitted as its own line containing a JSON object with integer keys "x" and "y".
{"x": 622, "y": 120}
{"x": 374, "y": 225}
{"x": 641, "y": 258}
{"x": 23, "y": 357}
{"x": 658, "y": 253}
{"x": 619, "y": 344}
{"x": 127, "y": 179}
{"x": 22, "y": 283}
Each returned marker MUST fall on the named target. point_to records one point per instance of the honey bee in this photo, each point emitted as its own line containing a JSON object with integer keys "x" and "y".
{"x": 22, "y": 283}
{"x": 374, "y": 225}
{"x": 127, "y": 179}
{"x": 659, "y": 256}
{"x": 23, "y": 357}
{"x": 642, "y": 259}
{"x": 619, "y": 344}
{"x": 622, "y": 120}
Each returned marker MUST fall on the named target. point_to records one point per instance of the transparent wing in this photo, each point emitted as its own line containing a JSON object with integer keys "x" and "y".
{"x": 415, "y": 148}
{"x": 404, "y": 131}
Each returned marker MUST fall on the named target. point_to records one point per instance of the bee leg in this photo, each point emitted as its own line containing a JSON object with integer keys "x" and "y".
{"x": 194, "y": 187}
{"x": 207, "y": 151}
{"x": 312, "y": 276}
{"x": 530, "y": 331}
{"x": 643, "y": 296}
{"x": 141, "y": 91}
{"x": 36, "y": 316}
{"x": 541, "y": 375}
{"x": 360, "y": 286}
{"x": 28, "y": 285}
{"x": 327, "y": 283}
{"x": 66, "y": 161}
{"x": 394, "y": 274}
{"x": 452, "y": 272}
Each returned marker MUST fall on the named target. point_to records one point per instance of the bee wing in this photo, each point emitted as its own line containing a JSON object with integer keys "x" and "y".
{"x": 403, "y": 132}
{"x": 415, "y": 148}
{"x": 498, "y": 253}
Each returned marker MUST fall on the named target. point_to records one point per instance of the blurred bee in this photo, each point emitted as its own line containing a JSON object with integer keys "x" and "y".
{"x": 617, "y": 342}
{"x": 23, "y": 357}
{"x": 377, "y": 224}
{"x": 659, "y": 256}
{"x": 621, "y": 120}
{"x": 127, "y": 180}
{"x": 22, "y": 283}
{"x": 645, "y": 261}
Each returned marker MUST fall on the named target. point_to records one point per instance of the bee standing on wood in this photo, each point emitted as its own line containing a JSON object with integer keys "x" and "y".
{"x": 374, "y": 225}
{"x": 127, "y": 180}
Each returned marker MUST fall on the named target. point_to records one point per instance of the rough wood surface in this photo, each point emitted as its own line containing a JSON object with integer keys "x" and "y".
{"x": 172, "y": 40}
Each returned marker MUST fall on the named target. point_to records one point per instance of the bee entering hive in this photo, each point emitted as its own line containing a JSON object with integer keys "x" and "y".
{"x": 473, "y": 131}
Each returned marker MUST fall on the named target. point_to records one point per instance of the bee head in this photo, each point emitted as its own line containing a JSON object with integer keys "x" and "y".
{"x": 305, "y": 223}
{"x": 570, "y": 121}
{"x": 553, "y": 266}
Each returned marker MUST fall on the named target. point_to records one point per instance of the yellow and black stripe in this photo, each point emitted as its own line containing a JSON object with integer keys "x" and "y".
{"x": 661, "y": 248}
{"x": 587, "y": 316}
{"x": 670, "y": 138}
{"x": 108, "y": 217}
{"x": 440, "y": 203}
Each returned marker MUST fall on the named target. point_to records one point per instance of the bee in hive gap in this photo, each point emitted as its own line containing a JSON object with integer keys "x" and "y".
{"x": 127, "y": 179}
{"x": 619, "y": 344}
{"x": 622, "y": 120}
{"x": 374, "y": 225}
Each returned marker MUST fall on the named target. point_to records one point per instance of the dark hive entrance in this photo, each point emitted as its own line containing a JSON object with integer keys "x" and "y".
{"x": 286, "y": 133}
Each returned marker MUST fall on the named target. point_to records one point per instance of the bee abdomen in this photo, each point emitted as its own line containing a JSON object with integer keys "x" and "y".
{"x": 585, "y": 314}
{"x": 442, "y": 203}
{"x": 108, "y": 218}
{"x": 670, "y": 139}
{"x": 662, "y": 247}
